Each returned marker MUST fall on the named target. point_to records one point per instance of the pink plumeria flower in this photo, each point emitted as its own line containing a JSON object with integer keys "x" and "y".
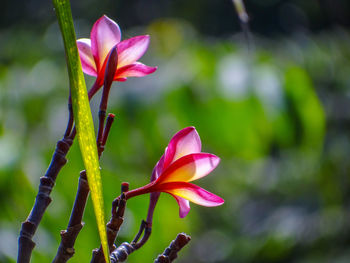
{"x": 104, "y": 36}
{"x": 182, "y": 163}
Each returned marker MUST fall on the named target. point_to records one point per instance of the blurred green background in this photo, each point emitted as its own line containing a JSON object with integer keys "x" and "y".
{"x": 277, "y": 114}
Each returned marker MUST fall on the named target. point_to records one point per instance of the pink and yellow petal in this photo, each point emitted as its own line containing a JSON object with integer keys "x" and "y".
{"x": 191, "y": 192}
{"x": 130, "y": 50}
{"x": 105, "y": 34}
{"x": 86, "y": 57}
{"x": 184, "y": 142}
{"x": 134, "y": 70}
{"x": 189, "y": 168}
{"x": 184, "y": 206}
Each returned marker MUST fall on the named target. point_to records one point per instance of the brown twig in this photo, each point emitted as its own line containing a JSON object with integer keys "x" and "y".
{"x": 170, "y": 253}
{"x": 66, "y": 248}
{"x": 107, "y": 128}
{"x": 146, "y": 228}
{"x": 114, "y": 224}
{"x": 42, "y": 200}
{"x": 70, "y": 118}
{"x": 101, "y": 118}
{"x": 121, "y": 253}
{"x": 47, "y": 182}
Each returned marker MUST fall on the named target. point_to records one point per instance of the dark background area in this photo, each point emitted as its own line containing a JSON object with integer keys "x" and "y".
{"x": 217, "y": 18}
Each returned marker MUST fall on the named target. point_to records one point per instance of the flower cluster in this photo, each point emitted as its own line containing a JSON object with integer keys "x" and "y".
{"x": 183, "y": 160}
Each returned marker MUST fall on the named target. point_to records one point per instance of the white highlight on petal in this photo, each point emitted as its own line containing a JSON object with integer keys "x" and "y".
{"x": 105, "y": 34}
{"x": 86, "y": 57}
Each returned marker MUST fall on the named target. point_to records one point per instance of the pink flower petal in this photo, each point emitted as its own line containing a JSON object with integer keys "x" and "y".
{"x": 134, "y": 70}
{"x": 130, "y": 50}
{"x": 105, "y": 34}
{"x": 157, "y": 170}
{"x": 184, "y": 206}
{"x": 191, "y": 192}
{"x": 86, "y": 57}
{"x": 154, "y": 196}
{"x": 189, "y": 168}
{"x": 184, "y": 142}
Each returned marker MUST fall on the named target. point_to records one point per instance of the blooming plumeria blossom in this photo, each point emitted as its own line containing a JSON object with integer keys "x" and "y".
{"x": 182, "y": 163}
{"x": 104, "y": 36}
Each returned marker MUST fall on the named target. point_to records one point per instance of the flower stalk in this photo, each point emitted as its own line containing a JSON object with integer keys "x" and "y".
{"x": 170, "y": 253}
